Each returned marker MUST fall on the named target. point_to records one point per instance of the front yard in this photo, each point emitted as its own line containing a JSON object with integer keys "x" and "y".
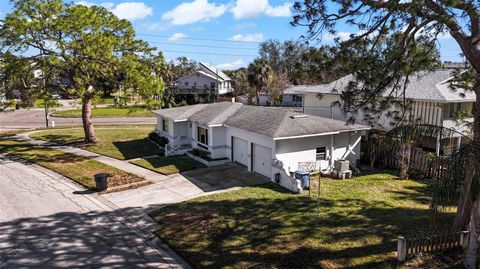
{"x": 168, "y": 165}
{"x": 107, "y": 112}
{"x": 78, "y": 169}
{"x": 123, "y": 143}
{"x": 266, "y": 227}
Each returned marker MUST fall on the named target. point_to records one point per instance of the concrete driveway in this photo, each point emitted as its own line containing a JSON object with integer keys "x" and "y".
{"x": 46, "y": 221}
{"x": 185, "y": 186}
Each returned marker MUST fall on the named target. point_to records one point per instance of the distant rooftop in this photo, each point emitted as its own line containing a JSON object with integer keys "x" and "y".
{"x": 422, "y": 86}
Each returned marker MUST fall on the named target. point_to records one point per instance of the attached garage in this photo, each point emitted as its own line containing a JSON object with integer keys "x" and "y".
{"x": 240, "y": 151}
{"x": 262, "y": 160}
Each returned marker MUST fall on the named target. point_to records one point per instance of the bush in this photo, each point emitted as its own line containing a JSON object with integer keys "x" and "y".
{"x": 201, "y": 153}
{"x": 160, "y": 140}
{"x": 416, "y": 174}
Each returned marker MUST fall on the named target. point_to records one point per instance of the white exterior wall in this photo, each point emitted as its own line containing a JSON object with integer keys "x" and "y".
{"x": 339, "y": 146}
{"x": 250, "y": 137}
{"x": 202, "y": 82}
{"x": 179, "y": 132}
{"x": 218, "y": 142}
{"x": 425, "y": 112}
{"x": 195, "y": 81}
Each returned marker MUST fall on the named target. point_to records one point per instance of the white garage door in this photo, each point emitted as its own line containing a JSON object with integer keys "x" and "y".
{"x": 240, "y": 150}
{"x": 262, "y": 160}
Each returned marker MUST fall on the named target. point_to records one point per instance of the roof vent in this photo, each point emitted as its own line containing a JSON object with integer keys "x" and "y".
{"x": 298, "y": 116}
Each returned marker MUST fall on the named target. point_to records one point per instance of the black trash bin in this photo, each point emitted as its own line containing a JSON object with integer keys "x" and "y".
{"x": 304, "y": 179}
{"x": 101, "y": 181}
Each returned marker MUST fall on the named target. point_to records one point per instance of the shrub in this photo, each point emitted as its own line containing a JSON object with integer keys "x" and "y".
{"x": 160, "y": 140}
{"x": 416, "y": 174}
{"x": 201, "y": 153}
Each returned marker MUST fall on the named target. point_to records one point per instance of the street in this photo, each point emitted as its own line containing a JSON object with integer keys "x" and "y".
{"x": 35, "y": 118}
{"x": 48, "y": 222}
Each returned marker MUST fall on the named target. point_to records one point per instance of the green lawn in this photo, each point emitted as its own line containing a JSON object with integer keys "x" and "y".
{"x": 79, "y": 169}
{"x": 123, "y": 143}
{"x": 271, "y": 228}
{"x": 168, "y": 165}
{"x": 52, "y": 103}
{"x": 106, "y": 112}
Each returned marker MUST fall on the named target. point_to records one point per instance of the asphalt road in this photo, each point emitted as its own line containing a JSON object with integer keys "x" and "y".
{"x": 46, "y": 223}
{"x": 35, "y": 118}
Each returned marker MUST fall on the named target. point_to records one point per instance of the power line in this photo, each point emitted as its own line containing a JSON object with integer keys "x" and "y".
{"x": 207, "y": 53}
{"x": 201, "y": 46}
{"x": 204, "y": 39}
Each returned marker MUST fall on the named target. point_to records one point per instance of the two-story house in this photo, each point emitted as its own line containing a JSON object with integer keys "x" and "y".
{"x": 206, "y": 80}
{"x": 431, "y": 97}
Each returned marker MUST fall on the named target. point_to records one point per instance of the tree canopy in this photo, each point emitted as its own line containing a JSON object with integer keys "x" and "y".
{"x": 84, "y": 45}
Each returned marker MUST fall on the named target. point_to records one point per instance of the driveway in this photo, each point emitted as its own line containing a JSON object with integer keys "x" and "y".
{"x": 185, "y": 186}
{"x": 35, "y": 118}
{"x": 46, "y": 221}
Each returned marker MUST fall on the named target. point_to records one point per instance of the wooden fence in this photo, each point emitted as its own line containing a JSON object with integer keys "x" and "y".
{"x": 387, "y": 156}
{"x": 430, "y": 243}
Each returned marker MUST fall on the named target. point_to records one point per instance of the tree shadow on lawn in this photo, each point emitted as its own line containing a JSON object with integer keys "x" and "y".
{"x": 62, "y": 139}
{"x": 284, "y": 231}
{"x": 137, "y": 148}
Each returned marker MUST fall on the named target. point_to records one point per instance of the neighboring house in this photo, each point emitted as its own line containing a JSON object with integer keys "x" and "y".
{"x": 288, "y": 100}
{"x": 432, "y": 102}
{"x": 204, "y": 81}
{"x": 268, "y": 140}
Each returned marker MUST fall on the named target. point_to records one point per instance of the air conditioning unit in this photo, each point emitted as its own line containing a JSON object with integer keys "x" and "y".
{"x": 342, "y": 165}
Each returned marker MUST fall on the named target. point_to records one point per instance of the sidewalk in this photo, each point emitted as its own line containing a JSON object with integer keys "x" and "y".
{"x": 164, "y": 191}
{"x": 68, "y": 225}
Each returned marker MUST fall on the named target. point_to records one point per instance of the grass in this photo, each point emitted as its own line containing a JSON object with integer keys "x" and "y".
{"x": 40, "y": 103}
{"x": 267, "y": 227}
{"x": 107, "y": 112}
{"x": 78, "y": 169}
{"x": 123, "y": 143}
{"x": 168, "y": 165}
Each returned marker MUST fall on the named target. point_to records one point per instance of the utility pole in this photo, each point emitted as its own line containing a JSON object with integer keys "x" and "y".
{"x": 46, "y": 112}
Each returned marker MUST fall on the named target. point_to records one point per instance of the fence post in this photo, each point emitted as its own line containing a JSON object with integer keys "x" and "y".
{"x": 464, "y": 239}
{"x": 401, "y": 248}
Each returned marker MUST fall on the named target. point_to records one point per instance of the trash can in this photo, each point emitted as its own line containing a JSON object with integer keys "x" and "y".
{"x": 101, "y": 182}
{"x": 304, "y": 179}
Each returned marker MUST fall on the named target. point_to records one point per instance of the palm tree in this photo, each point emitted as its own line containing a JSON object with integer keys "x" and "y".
{"x": 258, "y": 75}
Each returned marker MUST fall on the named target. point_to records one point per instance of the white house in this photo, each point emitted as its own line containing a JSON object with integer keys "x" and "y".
{"x": 268, "y": 140}
{"x": 206, "y": 80}
{"x": 432, "y": 102}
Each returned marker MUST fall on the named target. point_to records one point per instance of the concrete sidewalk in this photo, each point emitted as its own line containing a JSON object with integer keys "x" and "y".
{"x": 120, "y": 164}
{"x": 48, "y": 221}
{"x": 164, "y": 191}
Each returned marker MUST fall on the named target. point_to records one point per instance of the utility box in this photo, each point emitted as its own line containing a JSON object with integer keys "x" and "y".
{"x": 342, "y": 165}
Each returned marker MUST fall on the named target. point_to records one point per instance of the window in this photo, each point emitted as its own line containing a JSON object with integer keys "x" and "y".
{"x": 165, "y": 125}
{"x": 195, "y": 84}
{"x": 212, "y": 85}
{"x": 296, "y": 98}
{"x": 186, "y": 83}
{"x": 453, "y": 109}
{"x": 202, "y": 135}
{"x": 321, "y": 154}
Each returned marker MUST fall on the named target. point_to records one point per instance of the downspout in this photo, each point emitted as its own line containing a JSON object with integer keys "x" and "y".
{"x": 331, "y": 150}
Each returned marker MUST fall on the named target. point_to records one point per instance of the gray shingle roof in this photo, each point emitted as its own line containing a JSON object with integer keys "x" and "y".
{"x": 423, "y": 86}
{"x": 215, "y": 72}
{"x": 216, "y": 113}
{"x": 180, "y": 113}
{"x": 282, "y": 123}
{"x": 275, "y": 122}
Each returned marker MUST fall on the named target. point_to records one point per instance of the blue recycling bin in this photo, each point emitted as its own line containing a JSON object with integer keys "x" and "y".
{"x": 304, "y": 178}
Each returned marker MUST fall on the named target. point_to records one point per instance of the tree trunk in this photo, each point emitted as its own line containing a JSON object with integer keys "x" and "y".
{"x": 476, "y": 110}
{"x": 471, "y": 256}
{"x": 87, "y": 120}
